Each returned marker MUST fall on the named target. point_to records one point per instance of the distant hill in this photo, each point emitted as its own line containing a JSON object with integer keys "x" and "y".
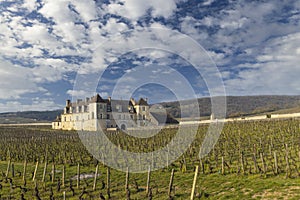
{"x": 236, "y": 106}
{"x": 28, "y": 116}
{"x": 240, "y": 105}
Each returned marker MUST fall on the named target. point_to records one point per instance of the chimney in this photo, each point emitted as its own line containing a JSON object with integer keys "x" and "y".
{"x": 109, "y": 99}
{"x": 79, "y": 100}
{"x": 87, "y": 99}
{"x": 68, "y": 103}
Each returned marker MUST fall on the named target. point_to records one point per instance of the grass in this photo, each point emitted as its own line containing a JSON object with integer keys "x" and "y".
{"x": 248, "y": 137}
{"x": 210, "y": 186}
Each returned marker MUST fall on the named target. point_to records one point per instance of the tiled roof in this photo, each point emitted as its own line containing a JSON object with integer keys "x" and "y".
{"x": 125, "y": 105}
{"x": 142, "y": 102}
{"x": 164, "y": 118}
{"x": 97, "y": 99}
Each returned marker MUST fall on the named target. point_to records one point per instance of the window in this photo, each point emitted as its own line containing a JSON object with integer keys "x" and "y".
{"x": 65, "y": 119}
{"x": 144, "y": 117}
{"x": 143, "y": 108}
{"x": 107, "y": 116}
{"x": 100, "y": 116}
{"x": 119, "y": 108}
{"x": 108, "y": 108}
{"x": 85, "y": 109}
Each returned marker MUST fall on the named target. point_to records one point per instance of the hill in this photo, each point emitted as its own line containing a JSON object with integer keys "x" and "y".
{"x": 28, "y": 116}
{"x": 240, "y": 105}
{"x": 236, "y": 106}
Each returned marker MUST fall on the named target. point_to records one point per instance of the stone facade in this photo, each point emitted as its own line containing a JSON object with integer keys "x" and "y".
{"x": 93, "y": 112}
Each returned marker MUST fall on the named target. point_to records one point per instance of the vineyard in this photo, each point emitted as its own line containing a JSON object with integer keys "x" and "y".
{"x": 255, "y": 159}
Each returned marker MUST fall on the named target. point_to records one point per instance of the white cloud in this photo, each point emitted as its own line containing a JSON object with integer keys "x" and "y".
{"x": 30, "y": 5}
{"x": 80, "y": 93}
{"x": 282, "y": 49}
{"x": 275, "y": 73}
{"x": 57, "y": 10}
{"x": 64, "y": 18}
{"x": 243, "y": 33}
{"x": 134, "y": 9}
{"x": 36, "y": 105}
{"x": 208, "y": 2}
{"x": 114, "y": 27}
{"x": 16, "y": 81}
{"x": 188, "y": 26}
{"x": 87, "y": 9}
{"x": 45, "y": 73}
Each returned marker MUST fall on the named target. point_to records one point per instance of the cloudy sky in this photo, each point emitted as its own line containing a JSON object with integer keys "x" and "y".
{"x": 49, "y": 46}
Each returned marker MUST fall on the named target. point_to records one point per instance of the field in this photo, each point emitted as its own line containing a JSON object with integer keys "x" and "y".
{"x": 252, "y": 160}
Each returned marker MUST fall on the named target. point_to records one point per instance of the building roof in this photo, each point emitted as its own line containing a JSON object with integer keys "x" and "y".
{"x": 162, "y": 118}
{"x": 142, "y": 102}
{"x": 125, "y": 105}
{"x": 97, "y": 99}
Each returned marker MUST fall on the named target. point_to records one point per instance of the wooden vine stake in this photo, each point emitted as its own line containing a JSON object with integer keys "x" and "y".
{"x": 276, "y": 163}
{"x": 288, "y": 169}
{"x": 242, "y": 162}
{"x": 8, "y": 164}
{"x": 24, "y": 170}
{"x": 12, "y": 170}
{"x": 194, "y": 182}
{"x": 44, "y": 172}
{"x": 8, "y": 167}
{"x": 53, "y": 172}
{"x": 63, "y": 175}
{"x": 223, "y": 167}
{"x": 171, "y": 183}
{"x": 255, "y": 163}
{"x": 35, "y": 170}
{"x": 95, "y": 178}
{"x": 263, "y": 163}
{"x": 152, "y": 158}
{"x": 201, "y": 162}
{"x": 127, "y": 180}
{"x": 168, "y": 155}
{"x": 78, "y": 175}
{"x": 108, "y": 182}
{"x": 202, "y": 166}
{"x": 148, "y": 180}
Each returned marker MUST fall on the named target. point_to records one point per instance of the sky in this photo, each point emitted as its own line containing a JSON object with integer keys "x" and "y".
{"x": 53, "y": 50}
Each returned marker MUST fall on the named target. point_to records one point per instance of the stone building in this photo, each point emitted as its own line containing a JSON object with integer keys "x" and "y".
{"x": 93, "y": 112}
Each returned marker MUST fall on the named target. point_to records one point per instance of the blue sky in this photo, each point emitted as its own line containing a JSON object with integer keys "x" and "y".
{"x": 47, "y": 44}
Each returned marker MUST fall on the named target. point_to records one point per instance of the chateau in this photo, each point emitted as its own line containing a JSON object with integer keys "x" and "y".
{"x": 93, "y": 112}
